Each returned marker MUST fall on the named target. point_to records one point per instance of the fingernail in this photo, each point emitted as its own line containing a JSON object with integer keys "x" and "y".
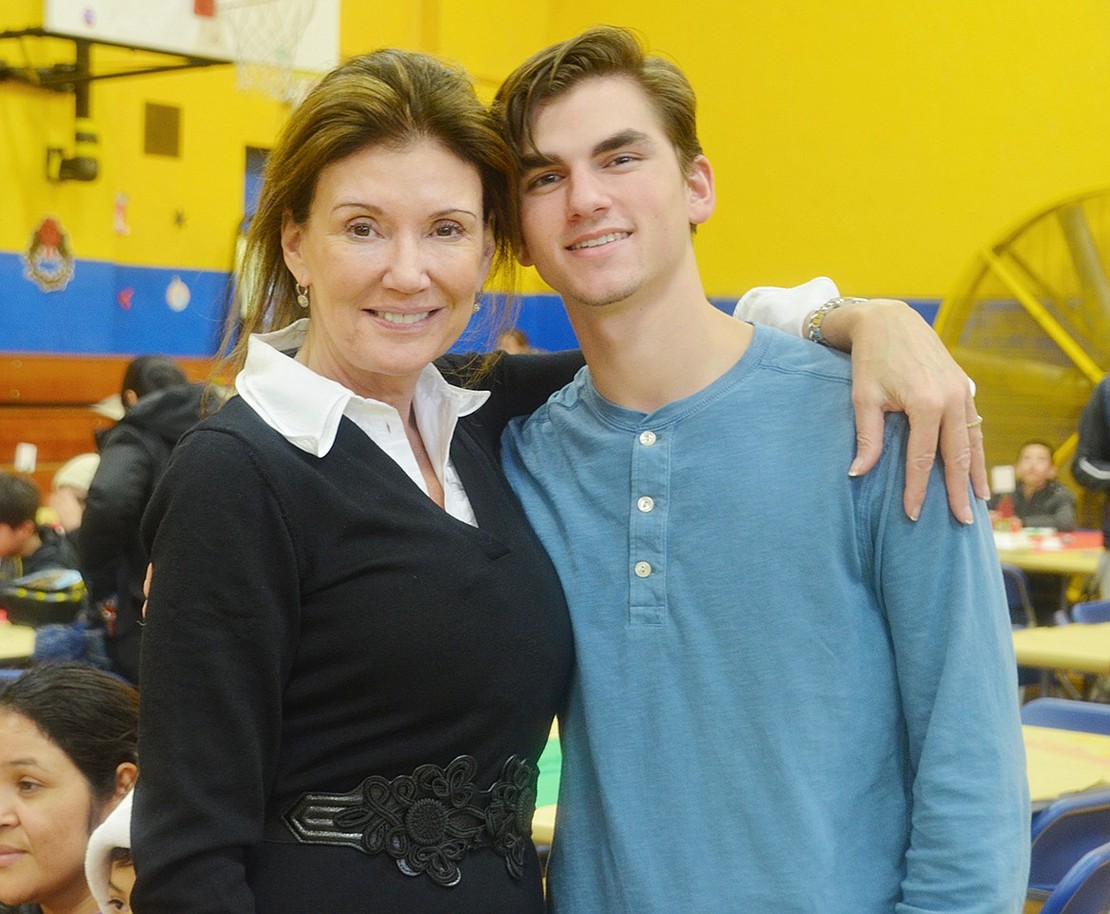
{"x": 915, "y": 514}
{"x": 968, "y": 517}
{"x": 854, "y": 469}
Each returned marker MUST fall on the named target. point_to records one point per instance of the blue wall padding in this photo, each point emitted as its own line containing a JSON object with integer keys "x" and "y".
{"x": 89, "y": 316}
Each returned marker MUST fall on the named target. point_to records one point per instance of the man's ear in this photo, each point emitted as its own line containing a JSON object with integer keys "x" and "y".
{"x": 701, "y": 190}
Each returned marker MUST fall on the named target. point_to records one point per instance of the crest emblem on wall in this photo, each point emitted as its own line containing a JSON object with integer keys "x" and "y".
{"x": 49, "y": 261}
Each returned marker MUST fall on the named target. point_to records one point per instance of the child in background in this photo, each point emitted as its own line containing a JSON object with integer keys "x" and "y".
{"x": 109, "y": 868}
{"x": 27, "y": 547}
{"x": 1039, "y": 499}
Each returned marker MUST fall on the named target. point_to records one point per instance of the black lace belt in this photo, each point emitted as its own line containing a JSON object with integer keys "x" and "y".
{"x": 427, "y": 821}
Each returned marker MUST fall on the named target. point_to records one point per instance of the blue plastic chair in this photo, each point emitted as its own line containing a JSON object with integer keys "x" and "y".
{"x": 1091, "y": 611}
{"x": 1067, "y": 714}
{"x": 1017, "y": 596}
{"x": 1022, "y": 615}
{"x": 1062, "y": 833}
{"x": 1085, "y": 888}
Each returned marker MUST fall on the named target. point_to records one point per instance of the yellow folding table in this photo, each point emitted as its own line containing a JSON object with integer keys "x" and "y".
{"x": 17, "y": 643}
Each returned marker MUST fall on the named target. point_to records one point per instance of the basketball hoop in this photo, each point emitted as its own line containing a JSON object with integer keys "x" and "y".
{"x": 265, "y": 34}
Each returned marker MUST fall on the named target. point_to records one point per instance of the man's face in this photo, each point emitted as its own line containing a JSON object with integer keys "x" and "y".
{"x": 1034, "y": 466}
{"x": 606, "y": 208}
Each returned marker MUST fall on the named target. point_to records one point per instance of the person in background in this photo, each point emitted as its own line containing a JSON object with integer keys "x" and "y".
{"x": 160, "y": 405}
{"x": 788, "y": 695}
{"x": 109, "y": 865}
{"x": 1091, "y": 467}
{"x": 515, "y": 342}
{"x": 26, "y": 546}
{"x": 350, "y": 623}
{"x": 69, "y": 490}
{"x": 68, "y": 756}
{"x": 1039, "y": 500}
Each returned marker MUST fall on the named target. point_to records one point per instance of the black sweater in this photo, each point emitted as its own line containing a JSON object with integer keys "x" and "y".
{"x": 314, "y": 621}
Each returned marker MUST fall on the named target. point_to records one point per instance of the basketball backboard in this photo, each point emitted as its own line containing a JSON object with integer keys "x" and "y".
{"x": 210, "y": 30}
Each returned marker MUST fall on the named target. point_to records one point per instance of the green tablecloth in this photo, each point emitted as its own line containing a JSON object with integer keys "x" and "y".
{"x": 547, "y": 791}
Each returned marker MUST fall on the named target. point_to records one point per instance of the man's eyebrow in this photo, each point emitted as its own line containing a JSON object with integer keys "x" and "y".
{"x": 621, "y": 139}
{"x": 630, "y": 137}
{"x": 532, "y": 160}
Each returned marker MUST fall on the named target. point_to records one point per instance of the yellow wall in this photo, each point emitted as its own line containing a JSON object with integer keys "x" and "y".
{"x": 879, "y": 142}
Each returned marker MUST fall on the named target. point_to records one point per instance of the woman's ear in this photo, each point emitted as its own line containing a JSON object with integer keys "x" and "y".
{"x": 488, "y": 246}
{"x": 126, "y": 772}
{"x": 291, "y": 236}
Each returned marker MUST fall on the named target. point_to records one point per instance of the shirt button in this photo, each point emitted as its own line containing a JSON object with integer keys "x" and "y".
{"x": 647, "y": 439}
{"x": 643, "y": 569}
{"x": 645, "y": 503}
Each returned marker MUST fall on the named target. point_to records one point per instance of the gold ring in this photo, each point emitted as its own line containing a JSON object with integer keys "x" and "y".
{"x": 978, "y": 421}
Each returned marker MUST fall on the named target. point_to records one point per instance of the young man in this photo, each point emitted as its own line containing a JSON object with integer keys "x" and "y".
{"x": 26, "y": 546}
{"x": 1039, "y": 500}
{"x": 790, "y": 697}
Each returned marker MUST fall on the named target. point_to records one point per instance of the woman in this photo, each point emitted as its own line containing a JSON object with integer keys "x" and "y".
{"x": 348, "y": 609}
{"x": 355, "y": 645}
{"x": 68, "y": 736}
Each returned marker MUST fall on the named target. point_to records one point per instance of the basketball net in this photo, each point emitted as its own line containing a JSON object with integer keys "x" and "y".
{"x": 265, "y": 34}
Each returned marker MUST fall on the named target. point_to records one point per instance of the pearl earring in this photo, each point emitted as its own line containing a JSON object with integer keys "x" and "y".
{"x": 302, "y": 295}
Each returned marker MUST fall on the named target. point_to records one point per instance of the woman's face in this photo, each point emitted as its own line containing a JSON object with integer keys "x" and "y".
{"x": 394, "y": 250}
{"x": 46, "y": 815}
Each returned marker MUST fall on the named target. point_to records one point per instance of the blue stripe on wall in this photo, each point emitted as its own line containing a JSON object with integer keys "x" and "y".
{"x": 89, "y": 316}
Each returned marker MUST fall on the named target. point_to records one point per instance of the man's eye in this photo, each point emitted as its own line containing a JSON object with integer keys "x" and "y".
{"x": 540, "y": 181}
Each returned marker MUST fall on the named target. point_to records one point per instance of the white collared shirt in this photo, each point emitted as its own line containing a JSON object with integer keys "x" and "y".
{"x": 305, "y": 408}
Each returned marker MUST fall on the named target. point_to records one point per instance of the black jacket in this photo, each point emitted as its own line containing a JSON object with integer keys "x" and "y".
{"x": 133, "y": 454}
{"x": 1091, "y": 464}
{"x": 56, "y": 551}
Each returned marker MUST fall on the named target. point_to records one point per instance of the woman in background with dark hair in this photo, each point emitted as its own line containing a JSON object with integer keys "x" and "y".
{"x": 68, "y": 736}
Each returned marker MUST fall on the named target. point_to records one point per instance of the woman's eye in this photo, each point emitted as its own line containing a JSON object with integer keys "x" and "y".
{"x": 447, "y": 230}
{"x": 361, "y": 230}
{"x": 28, "y": 786}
